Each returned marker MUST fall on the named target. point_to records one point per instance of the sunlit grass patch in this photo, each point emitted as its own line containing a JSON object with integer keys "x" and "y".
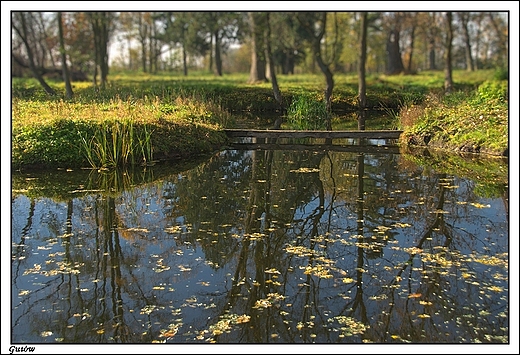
{"x": 113, "y": 133}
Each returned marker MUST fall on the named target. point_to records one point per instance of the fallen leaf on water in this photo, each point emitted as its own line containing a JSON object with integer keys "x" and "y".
{"x": 305, "y": 170}
{"x": 479, "y": 205}
{"x": 243, "y": 319}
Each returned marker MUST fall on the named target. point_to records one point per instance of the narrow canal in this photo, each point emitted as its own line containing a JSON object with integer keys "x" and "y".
{"x": 254, "y": 245}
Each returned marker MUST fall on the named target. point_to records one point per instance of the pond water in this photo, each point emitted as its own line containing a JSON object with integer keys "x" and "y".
{"x": 291, "y": 245}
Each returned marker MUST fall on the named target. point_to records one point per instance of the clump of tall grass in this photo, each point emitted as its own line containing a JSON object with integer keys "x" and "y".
{"x": 117, "y": 143}
{"x": 306, "y": 112}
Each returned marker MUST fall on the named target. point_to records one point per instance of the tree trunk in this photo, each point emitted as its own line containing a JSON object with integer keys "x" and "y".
{"x": 184, "y": 60}
{"x": 100, "y": 24}
{"x": 218, "y": 59}
{"x": 448, "y": 80}
{"x": 153, "y": 47}
{"x": 431, "y": 43}
{"x": 412, "y": 40}
{"x": 395, "y": 62}
{"x": 274, "y": 82}
{"x": 65, "y": 69}
{"x": 361, "y": 70}
{"x": 128, "y": 43}
{"x": 258, "y": 64}
{"x": 143, "y": 32}
{"x": 329, "y": 88}
{"x": 431, "y": 53}
{"x": 210, "y": 64}
{"x": 464, "y": 17}
{"x": 288, "y": 66}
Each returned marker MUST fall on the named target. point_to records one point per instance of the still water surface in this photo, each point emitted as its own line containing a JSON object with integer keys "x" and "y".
{"x": 261, "y": 246}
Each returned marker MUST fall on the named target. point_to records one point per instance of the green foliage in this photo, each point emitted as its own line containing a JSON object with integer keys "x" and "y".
{"x": 501, "y": 74}
{"x": 474, "y": 121}
{"x": 111, "y": 133}
{"x": 493, "y": 90}
{"x": 193, "y": 110}
{"x": 51, "y": 143}
{"x": 306, "y": 112}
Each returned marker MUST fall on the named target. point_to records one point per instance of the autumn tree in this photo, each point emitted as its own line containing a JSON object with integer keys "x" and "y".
{"x": 22, "y": 24}
{"x": 101, "y": 27}
{"x": 288, "y": 50}
{"x": 177, "y": 25}
{"x": 223, "y": 28}
{"x": 80, "y": 45}
{"x": 501, "y": 35}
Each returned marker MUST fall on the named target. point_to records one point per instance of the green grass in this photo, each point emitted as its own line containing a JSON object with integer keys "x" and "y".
{"x": 307, "y": 112}
{"x": 474, "y": 121}
{"x": 141, "y": 117}
{"x": 111, "y": 133}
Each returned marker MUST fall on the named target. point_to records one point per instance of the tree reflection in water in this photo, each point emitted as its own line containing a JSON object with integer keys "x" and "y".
{"x": 264, "y": 246}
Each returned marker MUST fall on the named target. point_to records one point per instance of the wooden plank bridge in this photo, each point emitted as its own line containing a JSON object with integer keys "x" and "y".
{"x": 285, "y": 133}
{"x": 351, "y": 148}
{"x": 267, "y": 139}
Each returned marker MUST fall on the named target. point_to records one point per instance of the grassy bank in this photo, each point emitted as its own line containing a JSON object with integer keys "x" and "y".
{"x": 474, "y": 121}
{"x": 113, "y": 133}
{"x": 140, "y": 118}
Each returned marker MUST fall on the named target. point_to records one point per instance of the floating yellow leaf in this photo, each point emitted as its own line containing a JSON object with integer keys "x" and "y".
{"x": 168, "y": 333}
{"x": 243, "y": 319}
{"x": 272, "y": 271}
{"x": 305, "y": 170}
{"x": 479, "y": 205}
{"x": 173, "y": 229}
{"x": 496, "y": 288}
{"x": 414, "y": 295}
{"x": 263, "y": 303}
{"x": 440, "y": 211}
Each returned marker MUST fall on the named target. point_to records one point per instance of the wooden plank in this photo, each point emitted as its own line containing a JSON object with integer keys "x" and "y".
{"x": 387, "y": 149}
{"x": 279, "y": 133}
